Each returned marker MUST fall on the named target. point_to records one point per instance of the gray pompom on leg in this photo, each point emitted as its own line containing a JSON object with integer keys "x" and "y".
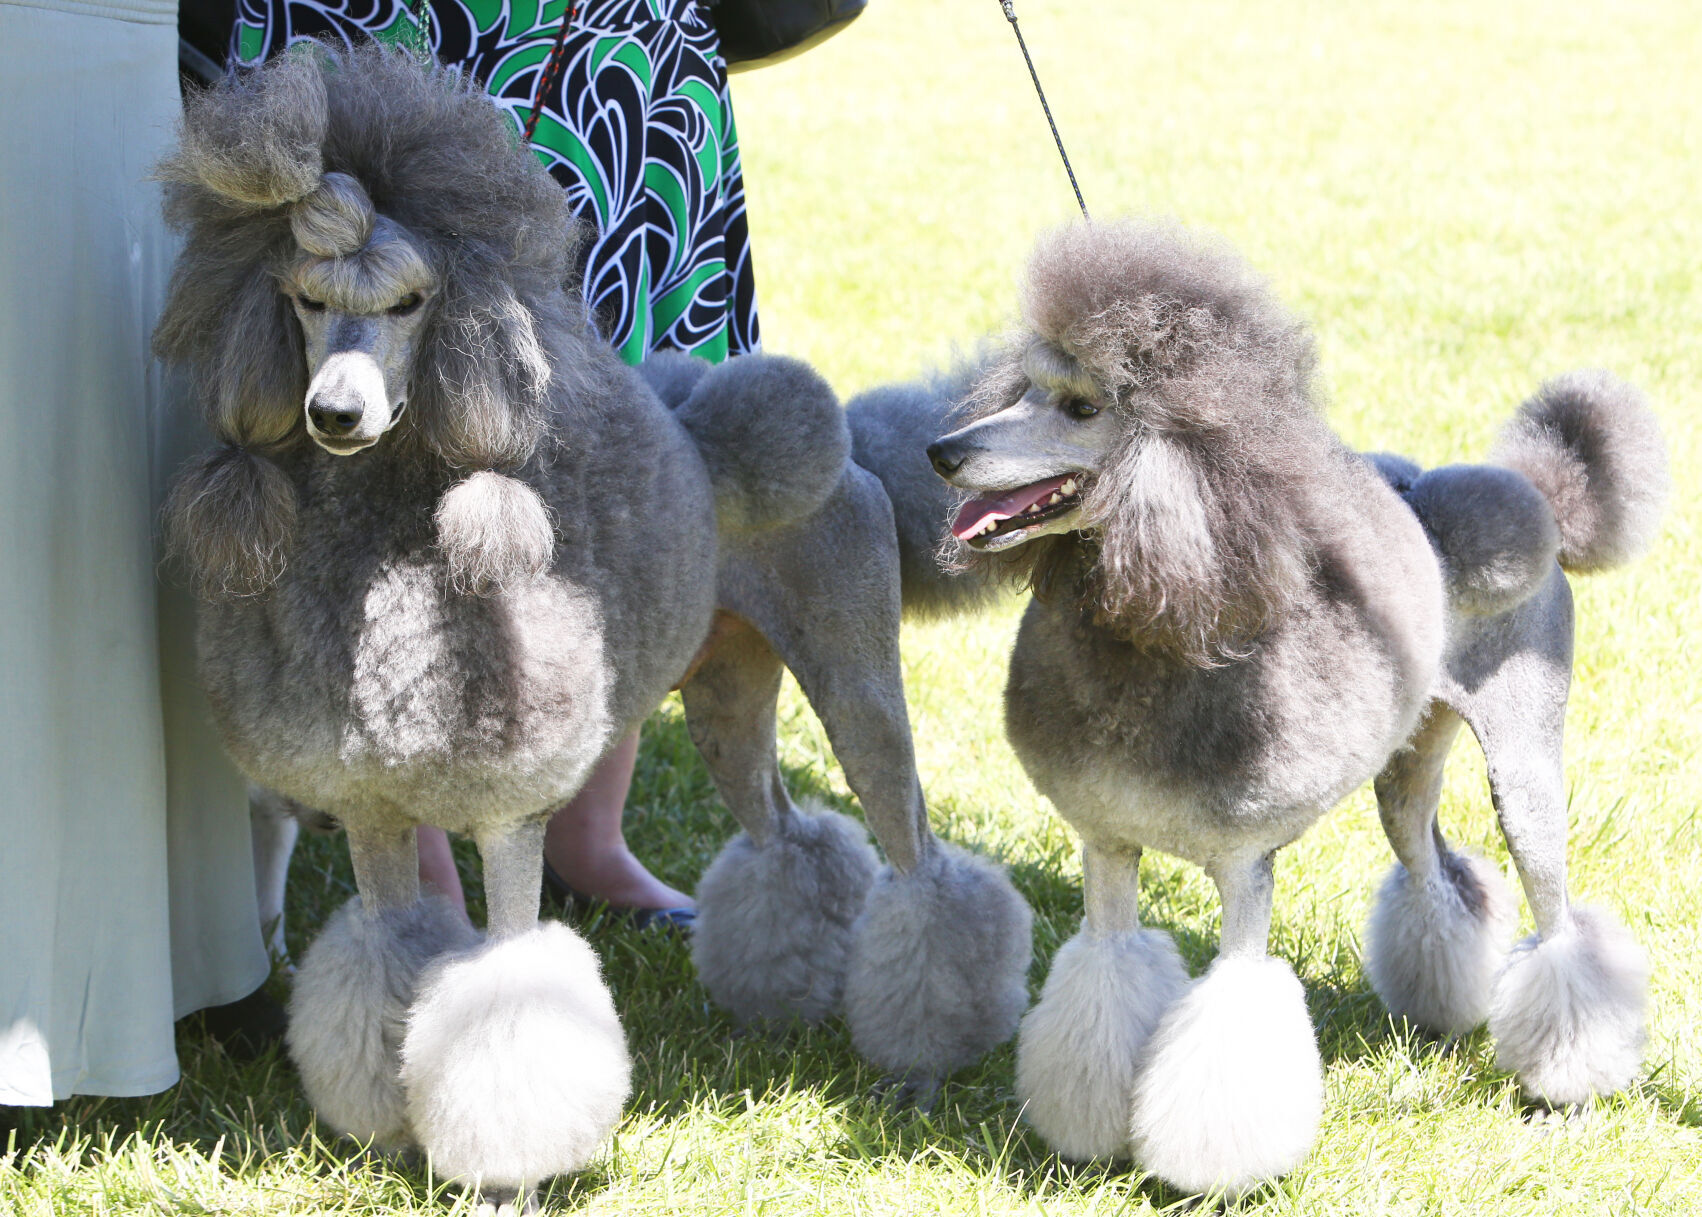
{"x": 939, "y": 967}
{"x": 772, "y": 940}
{"x": 349, "y": 1006}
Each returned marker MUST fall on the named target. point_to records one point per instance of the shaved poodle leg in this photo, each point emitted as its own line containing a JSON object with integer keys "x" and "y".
{"x": 1080, "y": 1048}
{"x": 1443, "y": 920}
{"x": 775, "y": 908}
{"x": 1567, "y": 1011}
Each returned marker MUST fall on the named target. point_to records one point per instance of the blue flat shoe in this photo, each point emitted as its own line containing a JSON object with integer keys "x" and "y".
{"x": 679, "y": 920}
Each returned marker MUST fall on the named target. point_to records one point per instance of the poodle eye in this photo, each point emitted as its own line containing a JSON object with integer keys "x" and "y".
{"x": 1081, "y": 408}
{"x": 310, "y": 305}
{"x": 406, "y": 305}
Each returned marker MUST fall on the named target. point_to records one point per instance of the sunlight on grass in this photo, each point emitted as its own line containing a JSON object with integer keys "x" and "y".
{"x": 1464, "y": 199}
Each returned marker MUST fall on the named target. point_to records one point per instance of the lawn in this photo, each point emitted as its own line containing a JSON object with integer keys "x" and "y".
{"x": 1464, "y": 199}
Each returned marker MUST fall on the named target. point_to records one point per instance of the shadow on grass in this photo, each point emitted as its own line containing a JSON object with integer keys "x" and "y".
{"x": 688, "y": 1055}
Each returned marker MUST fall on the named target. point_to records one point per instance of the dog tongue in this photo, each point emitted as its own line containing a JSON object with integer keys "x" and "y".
{"x": 972, "y": 517}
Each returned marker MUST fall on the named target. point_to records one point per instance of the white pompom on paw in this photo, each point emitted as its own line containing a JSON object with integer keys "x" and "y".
{"x": 1434, "y": 946}
{"x": 514, "y": 1062}
{"x": 1567, "y": 1011}
{"x": 772, "y": 939}
{"x": 1231, "y": 1092}
{"x": 1079, "y": 1048}
{"x": 939, "y": 965}
{"x": 349, "y": 1006}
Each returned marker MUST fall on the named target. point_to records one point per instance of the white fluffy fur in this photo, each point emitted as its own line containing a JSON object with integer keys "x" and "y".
{"x": 514, "y": 1061}
{"x": 495, "y": 533}
{"x": 348, "y": 1007}
{"x": 1080, "y": 1047}
{"x": 1232, "y": 1088}
{"x": 939, "y": 964}
{"x": 1430, "y": 955}
{"x": 1567, "y": 1011}
{"x": 772, "y": 939}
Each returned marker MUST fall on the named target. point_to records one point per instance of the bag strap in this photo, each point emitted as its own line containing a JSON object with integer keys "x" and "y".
{"x": 1010, "y": 15}
{"x": 552, "y": 66}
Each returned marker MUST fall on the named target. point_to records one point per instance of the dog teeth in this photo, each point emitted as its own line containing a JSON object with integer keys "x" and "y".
{"x": 1057, "y": 497}
{"x": 1068, "y": 488}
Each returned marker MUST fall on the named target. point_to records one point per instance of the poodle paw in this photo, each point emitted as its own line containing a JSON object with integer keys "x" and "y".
{"x": 914, "y": 1090}
{"x": 1231, "y": 1092}
{"x": 1433, "y": 946}
{"x": 939, "y": 964}
{"x": 348, "y": 1008}
{"x": 772, "y": 940}
{"x": 1080, "y": 1047}
{"x": 1567, "y": 1011}
{"x": 514, "y": 1063}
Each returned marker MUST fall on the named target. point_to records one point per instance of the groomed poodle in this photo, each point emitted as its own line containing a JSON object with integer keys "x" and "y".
{"x": 1236, "y": 622}
{"x": 452, "y": 550}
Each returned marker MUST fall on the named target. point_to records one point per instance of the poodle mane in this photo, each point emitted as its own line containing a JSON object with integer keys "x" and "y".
{"x": 361, "y": 158}
{"x": 1193, "y": 540}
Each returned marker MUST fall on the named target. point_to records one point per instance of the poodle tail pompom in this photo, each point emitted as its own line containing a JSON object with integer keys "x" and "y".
{"x": 231, "y": 521}
{"x": 772, "y": 436}
{"x": 495, "y": 532}
{"x": 1590, "y": 443}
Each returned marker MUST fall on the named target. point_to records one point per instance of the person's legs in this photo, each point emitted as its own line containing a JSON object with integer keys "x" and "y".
{"x": 437, "y": 865}
{"x": 584, "y": 844}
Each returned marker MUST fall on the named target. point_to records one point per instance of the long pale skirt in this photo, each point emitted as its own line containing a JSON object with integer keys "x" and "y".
{"x": 126, "y": 884}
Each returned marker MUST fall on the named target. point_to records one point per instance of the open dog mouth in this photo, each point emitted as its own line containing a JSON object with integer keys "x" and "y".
{"x": 342, "y": 447}
{"x": 1000, "y": 520}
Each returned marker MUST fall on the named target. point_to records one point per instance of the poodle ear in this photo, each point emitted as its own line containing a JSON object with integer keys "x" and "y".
{"x": 230, "y": 520}
{"x": 1156, "y": 543}
{"x": 480, "y": 386}
{"x": 257, "y": 375}
{"x": 495, "y": 533}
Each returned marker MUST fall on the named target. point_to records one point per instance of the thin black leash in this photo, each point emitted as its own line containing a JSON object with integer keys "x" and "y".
{"x": 1010, "y": 15}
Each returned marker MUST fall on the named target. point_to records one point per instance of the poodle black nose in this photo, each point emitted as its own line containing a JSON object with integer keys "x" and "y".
{"x": 331, "y": 419}
{"x": 945, "y": 461}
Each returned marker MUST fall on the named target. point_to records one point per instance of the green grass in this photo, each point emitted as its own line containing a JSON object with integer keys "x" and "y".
{"x": 1464, "y": 198}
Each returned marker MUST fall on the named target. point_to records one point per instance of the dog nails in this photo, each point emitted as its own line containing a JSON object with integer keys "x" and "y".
{"x": 915, "y": 1091}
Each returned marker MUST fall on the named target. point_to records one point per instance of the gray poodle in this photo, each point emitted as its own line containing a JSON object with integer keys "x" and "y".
{"x": 452, "y": 550}
{"x": 1236, "y": 622}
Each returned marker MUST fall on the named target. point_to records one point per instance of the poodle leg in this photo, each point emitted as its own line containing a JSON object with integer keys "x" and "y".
{"x": 1081, "y": 1045}
{"x": 273, "y": 831}
{"x": 775, "y": 908}
{"x": 1231, "y": 1091}
{"x": 940, "y": 955}
{"x": 1443, "y": 920}
{"x": 1567, "y": 1009}
{"x": 514, "y": 1062}
{"x": 352, "y": 990}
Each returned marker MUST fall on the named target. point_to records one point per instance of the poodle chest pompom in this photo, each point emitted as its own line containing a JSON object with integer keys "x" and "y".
{"x": 495, "y": 533}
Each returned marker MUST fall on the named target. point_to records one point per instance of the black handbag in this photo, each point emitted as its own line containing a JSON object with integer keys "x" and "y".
{"x": 756, "y": 33}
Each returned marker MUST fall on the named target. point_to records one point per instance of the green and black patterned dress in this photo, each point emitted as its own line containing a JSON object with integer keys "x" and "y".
{"x": 638, "y": 129}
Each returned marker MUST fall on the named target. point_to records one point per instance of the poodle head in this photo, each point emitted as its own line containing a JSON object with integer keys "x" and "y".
{"x": 371, "y": 258}
{"x": 1139, "y": 444}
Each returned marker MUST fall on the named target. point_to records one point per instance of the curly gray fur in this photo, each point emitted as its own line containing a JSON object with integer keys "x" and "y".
{"x": 1589, "y": 442}
{"x": 280, "y": 163}
{"x": 891, "y": 428}
{"x": 765, "y": 477}
{"x": 1195, "y": 545}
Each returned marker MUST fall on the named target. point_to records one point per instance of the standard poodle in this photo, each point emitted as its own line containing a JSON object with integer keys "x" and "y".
{"x": 1236, "y": 621}
{"x": 452, "y": 550}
